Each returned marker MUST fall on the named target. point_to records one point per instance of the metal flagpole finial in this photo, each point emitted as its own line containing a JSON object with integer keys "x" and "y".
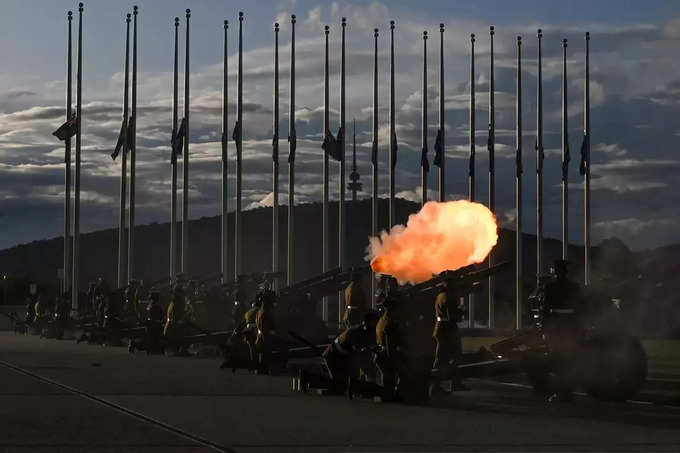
{"x": 344, "y": 21}
{"x": 326, "y": 29}
{"x": 391, "y": 25}
{"x": 188, "y": 11}
{"x": 134, "y": 10}
{"x": 539, "y": 34}
{"x": 292, "y": 18}
{"x": 519, "y": 40}
{"x": 587, "y": 36}
{"x": 80, "y": 7}
{"x": 564, "y": 42}
{"x": 226, "y": 24}
{"x": 441, "y": 28}
{"x": 70, "y": 15}
{"x": 240, "y": 16}
{"x": 472, "y": 38}
{"x": 491, "y": 30}
{"x": 425, "y": 35}
{"x": 127, "y": 18}
{"x": 375, "y": 32}
{"x": 276, "y": 27}
{"x": 176, "y": 21}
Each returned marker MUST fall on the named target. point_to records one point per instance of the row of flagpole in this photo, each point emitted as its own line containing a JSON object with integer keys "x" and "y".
{"x": 332, "y": 146}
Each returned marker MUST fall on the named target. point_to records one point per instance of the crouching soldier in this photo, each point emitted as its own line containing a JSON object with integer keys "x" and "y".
{"x": 267, "y": 338}
{"x": 348, "y": 358}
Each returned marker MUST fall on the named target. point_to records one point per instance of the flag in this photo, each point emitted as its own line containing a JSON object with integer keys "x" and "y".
{"x": 394, "y": 150}
{"x": 120, "y": 142}
{"x": 340, "y": 143}
{"x": 275, "y": 148}
{"x": 565, "y": 164}
{"x": 237, "y": 134}
{"x": 439, "y": 149}
{"x": 518, "y": 162}
{"x": 423, "y": 160}
{"x": 224, "y": 146}
{"x": 292, "y": 139}
{"x": 330, "y": 145}
{"x": 68, "y": 129}
{"x": 177, "y": 142}
{"x": 583, "y": 168}
{"x": 374, "y": 152}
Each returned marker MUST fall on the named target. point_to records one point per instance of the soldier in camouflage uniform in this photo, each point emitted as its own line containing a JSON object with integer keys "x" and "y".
{"x": 448, "y": 350}
{"x": 355, "y": 302}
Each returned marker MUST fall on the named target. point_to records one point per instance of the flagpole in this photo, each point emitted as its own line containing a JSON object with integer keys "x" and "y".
{"x": 292, "y": 141}
{"x": 76, "y": 202}
{"x": 239, "y": 151}
{"x": 586, "y": 157}
{"x": 374, "y": 156}
{"x": 133, "y": 150}
{"x": 67, "y": 168}
{"x": 185, "y": 166}
{"x": 224, "y": 207}
{"x": 518, "y": 191}
{"x": 122, "y": 278}
{"x": 492, "y": 169}
{"x": 471, "y": 176}
{"x": 173, "y": 163}
{"x": 393, "y": 136}
{"x": 539, "y": 163}
{"x": 423, "y": 161}
{"x": 324, "y": 216}
{"x": 565, "y": 157}
{"x": 275, "y": 164}
{"x": 341, "y": 184}
{"x": 442, "y": 119}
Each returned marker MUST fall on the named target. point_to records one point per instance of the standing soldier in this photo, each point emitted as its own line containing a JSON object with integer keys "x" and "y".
{"x": 390, "y": 360}
{"x": 448, "y": 349}
{"x": 247, "y": 329}
{"x": 562, "y": 306}
{"x": 266, "y": 330}
{"x": 355, "y": 301}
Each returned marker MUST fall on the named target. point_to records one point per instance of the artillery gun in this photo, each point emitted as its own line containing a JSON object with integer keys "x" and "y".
{"x": 607, "y": 361}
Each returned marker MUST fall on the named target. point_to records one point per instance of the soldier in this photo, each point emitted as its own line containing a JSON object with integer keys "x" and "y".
{"x": 176, "y": 309}
{"x": 30, "y": 312}
{"x": 561, "y": 308}
{"x": 101, "y": 297}
{"x": 266, "y": 330}
{"x": 153, "y": 327}
{"x": 355, "y": 301}
{"x": 90, "y": 297}
{"x": 347, "y": 359}
{"x": 448, "y": 349}
{"x": 390, "y": 359}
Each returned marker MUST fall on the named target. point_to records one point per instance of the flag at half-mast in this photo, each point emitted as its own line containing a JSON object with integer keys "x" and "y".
{"x": 121, "y": 140}
{"x": 68, "y": 129}
{"x": 177, "y": 142}
{"x": 439, "y": 149}
{"x": 583, "y": 168}
{"x": 292, "y": 139}
{"x": 330, "y": 145}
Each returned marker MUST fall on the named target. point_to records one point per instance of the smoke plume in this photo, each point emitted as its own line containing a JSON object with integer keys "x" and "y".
{"x": 441, "y": 236}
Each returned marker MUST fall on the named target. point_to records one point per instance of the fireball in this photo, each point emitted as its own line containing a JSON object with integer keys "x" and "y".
{"x": 440, "y": 237}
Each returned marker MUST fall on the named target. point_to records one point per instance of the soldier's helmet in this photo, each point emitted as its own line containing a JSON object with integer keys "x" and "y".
{"x": 560, "y": 267}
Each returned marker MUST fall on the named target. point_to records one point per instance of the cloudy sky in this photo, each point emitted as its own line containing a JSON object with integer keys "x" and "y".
{"x": 635, "y": 98}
